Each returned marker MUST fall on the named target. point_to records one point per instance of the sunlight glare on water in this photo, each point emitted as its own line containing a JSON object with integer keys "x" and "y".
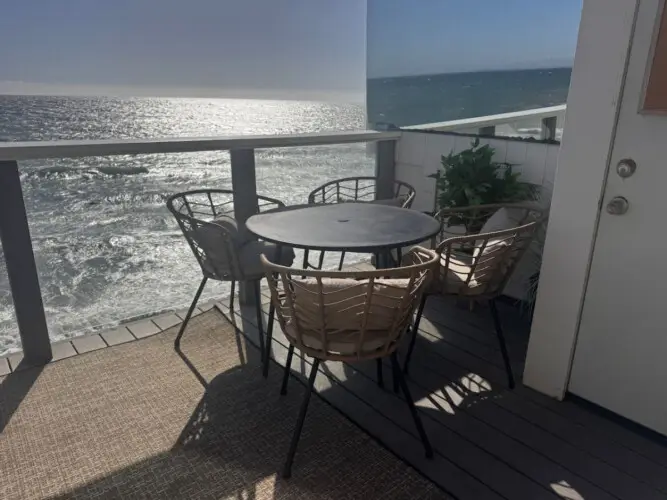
{"x": 106, "y": 247}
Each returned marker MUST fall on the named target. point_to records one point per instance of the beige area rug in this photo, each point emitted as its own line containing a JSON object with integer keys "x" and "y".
{"x": 133, "y": 421}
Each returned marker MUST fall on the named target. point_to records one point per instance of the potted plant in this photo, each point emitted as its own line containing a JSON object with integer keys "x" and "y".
{"x": 472, "y": 177}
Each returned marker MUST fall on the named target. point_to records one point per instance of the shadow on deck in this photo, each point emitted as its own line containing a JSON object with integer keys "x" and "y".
{"x": 133, "y": 421}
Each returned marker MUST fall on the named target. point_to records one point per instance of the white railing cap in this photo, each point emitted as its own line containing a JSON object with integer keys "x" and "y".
{"x": 489, "y": 120}
{"x": 74, "y": 149}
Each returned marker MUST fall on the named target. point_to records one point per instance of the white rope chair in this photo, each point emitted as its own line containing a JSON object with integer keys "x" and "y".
{"x": 360, "y": 190}
{"x": 477, "y": 265}
{"x": 348, "y": 316}
{"x": 222, "y": 246}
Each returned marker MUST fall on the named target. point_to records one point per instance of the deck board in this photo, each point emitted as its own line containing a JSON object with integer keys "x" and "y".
{"x": 513, "y": 444}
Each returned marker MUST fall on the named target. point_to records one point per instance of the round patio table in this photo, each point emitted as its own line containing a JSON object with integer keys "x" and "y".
{"x": 346, "y": 227}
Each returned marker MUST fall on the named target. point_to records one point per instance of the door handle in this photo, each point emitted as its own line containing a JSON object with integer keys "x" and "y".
{"x": 618, "y": 205}
{"x": 626, "y": 168}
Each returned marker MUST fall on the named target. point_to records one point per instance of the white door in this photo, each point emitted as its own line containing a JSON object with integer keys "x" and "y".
{"x": 620, "y": 359}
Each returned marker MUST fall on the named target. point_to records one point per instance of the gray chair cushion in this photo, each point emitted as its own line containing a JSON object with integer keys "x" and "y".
{"x": 390, "y": 202}
{"x": 231, "y": 225}
{"x": 250, "y": 252}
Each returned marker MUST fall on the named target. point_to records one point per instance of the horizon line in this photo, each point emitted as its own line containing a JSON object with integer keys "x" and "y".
{"x": 497, "y": 70}
{"x": 20, "y": 88}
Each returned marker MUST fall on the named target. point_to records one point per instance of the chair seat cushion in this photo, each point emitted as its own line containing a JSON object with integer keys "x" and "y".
{"x": 239, "y": 234}
{"x": 451, "y": 277}
{"x": 250, "y": 262}
{"x": 390, "y": 202}
{"x": 454, "y": 277}
{"x": 504, "y": 218}
{"x": 219, "y": 245}
{"x": 344, "y": 343}
{"x": 491, "y": 258}
{"x": 345, "y": 303}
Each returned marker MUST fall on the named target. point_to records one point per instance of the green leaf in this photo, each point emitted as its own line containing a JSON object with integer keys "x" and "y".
{"x": 471, "y": 177}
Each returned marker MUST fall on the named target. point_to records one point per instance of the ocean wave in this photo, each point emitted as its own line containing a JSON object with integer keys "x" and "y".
{"x": 122, "y": 170}
{"x": 67, "y": 171}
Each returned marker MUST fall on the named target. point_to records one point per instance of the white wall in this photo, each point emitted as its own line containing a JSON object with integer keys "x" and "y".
{"x": 418, "y": 155}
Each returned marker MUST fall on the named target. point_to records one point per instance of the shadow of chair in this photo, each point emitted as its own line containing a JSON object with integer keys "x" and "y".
{"x": 235, "y": 438}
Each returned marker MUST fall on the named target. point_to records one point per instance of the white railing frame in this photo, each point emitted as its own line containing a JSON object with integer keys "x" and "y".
{"x": 15, "y": 232}
{"x": 486, "y": 125}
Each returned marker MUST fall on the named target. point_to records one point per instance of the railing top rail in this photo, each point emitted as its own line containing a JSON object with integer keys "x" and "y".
{"x": 75, "y": 149}
{"x": 486, "y": 121}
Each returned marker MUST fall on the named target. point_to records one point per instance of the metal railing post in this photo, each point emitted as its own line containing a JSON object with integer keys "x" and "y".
{"x": 385, "y": 169}
{"x": 21, "y": 267}
{"x": 244, "y": 185}
{"x": 548, "y": 131}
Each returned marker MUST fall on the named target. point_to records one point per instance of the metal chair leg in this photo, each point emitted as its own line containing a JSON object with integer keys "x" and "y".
{"x": 269, "y": 326}
{"x": 395, "y": 378}
{"x": 305, "y": 258}
{"x": 378, "y": 365}
{"x": 177, "y": 341}
{"x": 260, "y": 318}
{"x": 288, "y": 364}
{"x": 231, "y": 298}
{"x": 501, "y": 340}
{"x": 287, "y": 469}
{"x": 415, "y": 414}
{"x": 342, "y": 258}
{"x": 320, "y": 262}
{"x": 415, "y": 333}
{"x": 269, "y": 337}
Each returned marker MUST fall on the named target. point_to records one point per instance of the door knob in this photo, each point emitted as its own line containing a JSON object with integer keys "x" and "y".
{"x": 618, "y": 205}
{"x": 626, "y": 167}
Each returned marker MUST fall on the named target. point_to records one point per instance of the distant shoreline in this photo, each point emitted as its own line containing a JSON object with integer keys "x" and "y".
{"x": 484, "y": 71}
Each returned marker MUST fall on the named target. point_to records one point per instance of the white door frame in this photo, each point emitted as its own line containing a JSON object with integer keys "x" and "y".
{"x": 603, "y": 47}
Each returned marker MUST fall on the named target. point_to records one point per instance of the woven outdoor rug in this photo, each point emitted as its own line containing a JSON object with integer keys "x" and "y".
{"x": 133, "y": 421}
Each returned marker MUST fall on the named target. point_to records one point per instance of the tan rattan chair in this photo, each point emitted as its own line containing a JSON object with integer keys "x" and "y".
{"x": 348, "y": 316}
{"x": 356, "y": 189}
{"x": 475, "y": 265}
{"x": 224, "y": 249}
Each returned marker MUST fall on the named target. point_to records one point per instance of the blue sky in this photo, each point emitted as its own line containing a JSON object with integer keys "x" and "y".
{"x": 265, "y": 47}
{"x": 412, "y": 37}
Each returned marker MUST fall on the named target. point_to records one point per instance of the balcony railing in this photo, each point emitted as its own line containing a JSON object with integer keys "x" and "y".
{"x": 486, "y": 125}
{"x": 15, "y": 233}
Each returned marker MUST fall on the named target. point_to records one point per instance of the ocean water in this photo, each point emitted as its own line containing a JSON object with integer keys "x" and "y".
{"x": 108, "y": 250}
{"x": 106, "y": 247}
{"x": 412, "y": 100}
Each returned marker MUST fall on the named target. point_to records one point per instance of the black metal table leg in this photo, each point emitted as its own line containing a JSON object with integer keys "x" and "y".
{"x": 269, "y": 326}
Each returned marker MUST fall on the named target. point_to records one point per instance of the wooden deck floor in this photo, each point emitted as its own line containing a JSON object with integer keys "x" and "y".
{"x": 490, "y": 442}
